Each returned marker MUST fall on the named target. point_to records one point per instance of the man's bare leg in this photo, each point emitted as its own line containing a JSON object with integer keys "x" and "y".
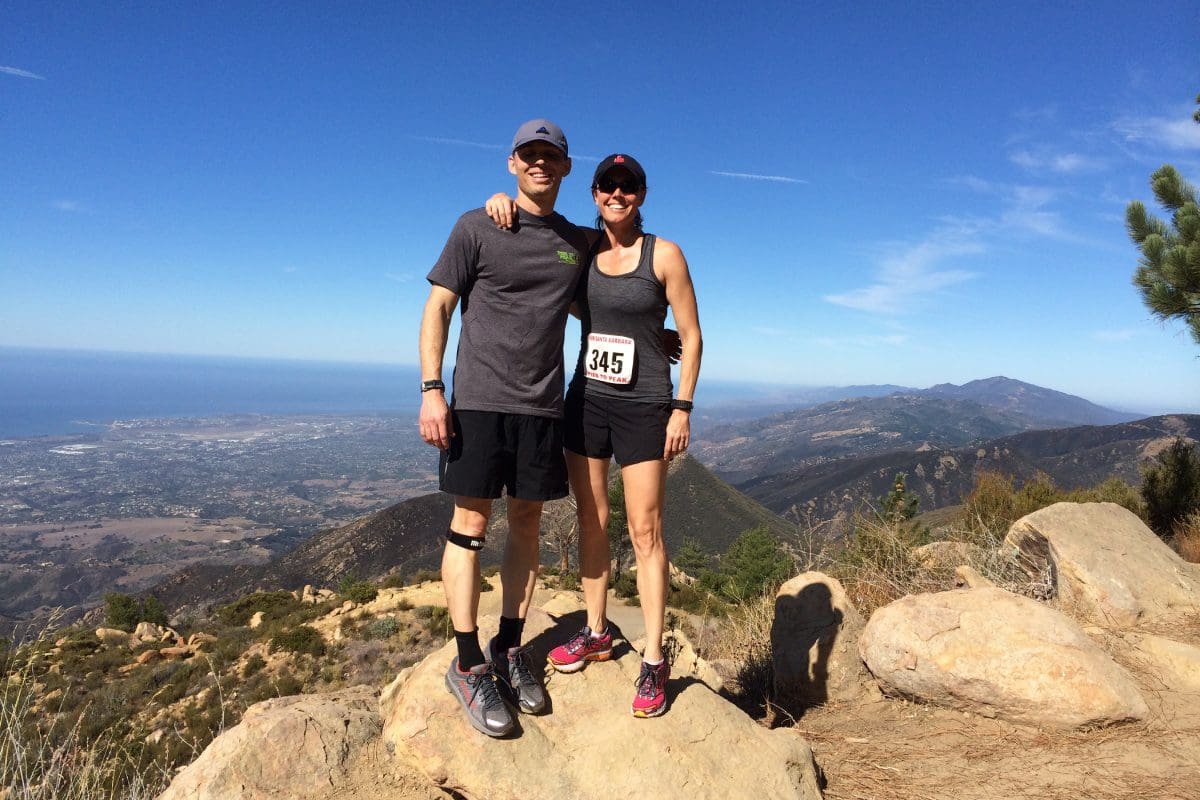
{"x": 460, "y": 565}
{"x": 519, "y": 568}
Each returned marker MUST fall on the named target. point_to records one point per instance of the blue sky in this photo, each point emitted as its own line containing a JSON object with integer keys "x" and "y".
{"x": 867, "y": 194}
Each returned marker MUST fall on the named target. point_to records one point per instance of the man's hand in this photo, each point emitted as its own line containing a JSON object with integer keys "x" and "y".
{"x": 679, "y": 430}
{"x": 436, "y": 427}
{"x": 502, "y": 209}
{"x": 672, "y": 345}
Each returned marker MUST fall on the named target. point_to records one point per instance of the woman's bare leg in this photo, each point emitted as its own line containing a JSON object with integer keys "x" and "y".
{"x": 589, "y": 482}
{"x": 645, "y": 489}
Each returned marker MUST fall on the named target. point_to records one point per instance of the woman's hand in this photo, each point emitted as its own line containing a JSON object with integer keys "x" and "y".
{"x": 502, "y": 209}
{"x": 679, "y": 430}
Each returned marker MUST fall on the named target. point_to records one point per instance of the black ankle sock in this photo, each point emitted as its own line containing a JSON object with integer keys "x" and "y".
{"x": 510, "y": 633}
{"x": 469, "y": 654}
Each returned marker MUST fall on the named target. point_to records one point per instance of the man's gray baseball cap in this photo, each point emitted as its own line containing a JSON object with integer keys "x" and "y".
{"x": 540, "y": 130}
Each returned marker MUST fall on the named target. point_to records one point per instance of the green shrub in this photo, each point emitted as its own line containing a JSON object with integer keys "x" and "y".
{"x": 274, "y": 605}
{"x": 302, "y": 639}
{"x": 624, "y": 585}
{"x": 358, "y": 591}
{"x": 254, "y": 664}
{"x": 436, "y": 620}
{"x": 485, "y": 585}
{"x": 124, "y": 612}
{"x": 382, "y": 628}
{"x": 691, "y": 557}
{"x": 1171, "y": 488}
{"x": 393, "y": 581}
{"x": 569, "y": 581}
{"x": 421, "y": 576}
{"x": 755, "y": 563}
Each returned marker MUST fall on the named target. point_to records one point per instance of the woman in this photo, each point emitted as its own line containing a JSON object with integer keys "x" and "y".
{"x": 620, "y": 404}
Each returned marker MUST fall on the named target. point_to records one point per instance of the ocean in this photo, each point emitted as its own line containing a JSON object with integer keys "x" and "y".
{"x": 56, "y": 392}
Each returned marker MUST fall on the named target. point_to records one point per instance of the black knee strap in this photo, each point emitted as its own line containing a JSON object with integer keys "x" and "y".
{"x": 462, "y": 540}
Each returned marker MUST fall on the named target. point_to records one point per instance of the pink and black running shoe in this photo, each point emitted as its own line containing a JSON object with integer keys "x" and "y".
{"x": 581, "y": 648}
{"x": 651, "y": 697}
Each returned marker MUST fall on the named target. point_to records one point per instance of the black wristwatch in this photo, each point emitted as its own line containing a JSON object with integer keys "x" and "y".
{"x": 681, "y": 405}
{"x": 427, "y": 386}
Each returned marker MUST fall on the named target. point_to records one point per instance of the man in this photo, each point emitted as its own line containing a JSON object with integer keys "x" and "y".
{"x": 503, "y": 428}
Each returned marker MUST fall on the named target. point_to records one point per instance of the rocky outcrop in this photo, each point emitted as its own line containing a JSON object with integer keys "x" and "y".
{"x": 1105, "y": 564}
{"x": 703, "y": 748}
{"x": 814, "y": 643}
{"x": 1175, "y": 664}
{"x": 997, "y": 654}
{"x": 289, "y": 747}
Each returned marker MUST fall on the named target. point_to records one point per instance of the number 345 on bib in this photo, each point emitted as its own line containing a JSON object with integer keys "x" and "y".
{"x": 609, "y": 358}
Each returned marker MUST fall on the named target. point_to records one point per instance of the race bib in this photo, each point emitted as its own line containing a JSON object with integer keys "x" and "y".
{"x": 609, "y": 358}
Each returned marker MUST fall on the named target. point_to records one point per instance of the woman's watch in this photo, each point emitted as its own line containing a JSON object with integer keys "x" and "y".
{"x": 681, "y": 405}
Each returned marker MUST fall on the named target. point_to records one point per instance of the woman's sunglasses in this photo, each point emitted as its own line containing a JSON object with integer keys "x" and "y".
{"x": 626, "y": 185}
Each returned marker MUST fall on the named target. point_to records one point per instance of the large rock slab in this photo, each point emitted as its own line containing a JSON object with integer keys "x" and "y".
{"x": 1107, "y": 566}
{"x": 997, "y": 654}
{"x": 589, "y": 745}
{"x": 814, "y": 643}
{"x": 1175, "y": 664}
{"x": 288, "y": 747}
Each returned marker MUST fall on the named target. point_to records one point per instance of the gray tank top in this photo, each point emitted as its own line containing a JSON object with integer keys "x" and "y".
{"x": 615, "y": 309}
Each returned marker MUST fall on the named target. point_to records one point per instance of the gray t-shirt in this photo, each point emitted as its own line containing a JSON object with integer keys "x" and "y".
{"x": 515, "y": 288}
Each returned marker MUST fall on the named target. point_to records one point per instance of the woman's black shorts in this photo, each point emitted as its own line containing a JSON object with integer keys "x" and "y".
{"x": 605, "y": 427}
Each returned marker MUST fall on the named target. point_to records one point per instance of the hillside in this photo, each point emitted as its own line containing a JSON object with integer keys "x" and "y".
{"x": 941, "y": 417}
{"x": 1048, "y": 407}
{"x": 1072, "y": 457}
{"x": 807, "y": 437}
{"x": 409, "y": 536}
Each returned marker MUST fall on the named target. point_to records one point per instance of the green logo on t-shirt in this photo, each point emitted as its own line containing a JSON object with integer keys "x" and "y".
{"x": 568, "y": 257}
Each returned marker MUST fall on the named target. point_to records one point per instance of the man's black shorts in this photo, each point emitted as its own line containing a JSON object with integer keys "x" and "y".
{"x": 490, "y": 451}
{"x": 604, "y": 427}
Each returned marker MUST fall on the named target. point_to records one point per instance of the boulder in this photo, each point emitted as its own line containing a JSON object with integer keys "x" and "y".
{"x": 997, "y": 654}
{"x": 112, "y": 637}
{"x": 704, "y": 747}
{"x": 147, "y": 632}
{"x": 946, "y": 555}
{"x": 814, "y": 643}
{"x": 177, "y": 652}
{"x": 147, "y": 656}
{"x": 256, "y": 620}
{"x": 201, "y": 641}
{"x": 1176, "y": 664}
{"x": 1105, "y": 564}
{"x": 966, "y": 577}
{"x": 297, "y": 746}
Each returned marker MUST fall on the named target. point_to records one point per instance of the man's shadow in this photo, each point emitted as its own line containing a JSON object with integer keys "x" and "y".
{"x": 805, "y": 621}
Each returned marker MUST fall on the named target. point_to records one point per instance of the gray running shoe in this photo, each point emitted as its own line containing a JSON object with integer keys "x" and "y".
{"x": 476, "y": 691}
{"x": 514, "y": 669}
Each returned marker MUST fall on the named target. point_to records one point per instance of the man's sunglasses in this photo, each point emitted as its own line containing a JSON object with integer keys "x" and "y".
{"x": 627, "y": 185}
{"x": 532, "y": 155}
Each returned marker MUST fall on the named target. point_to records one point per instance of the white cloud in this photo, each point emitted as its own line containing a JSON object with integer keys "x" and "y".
{"x": 840, "y": 342}
{"x": 756, "y": 177}
{"x": 975, "y": 183}
{"x": 1176, "y": 133}
{"x": 459, "y": 142}
{"x": 1026, "y": 212}
{"x": 400, "y": 277}
{"x": 21, "y": 73}
{"x": 1123, "y": 335}
{"x": 67, "y": 205}
{"x": 914, "y": 273}
{"x": 1061, "y": 163}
